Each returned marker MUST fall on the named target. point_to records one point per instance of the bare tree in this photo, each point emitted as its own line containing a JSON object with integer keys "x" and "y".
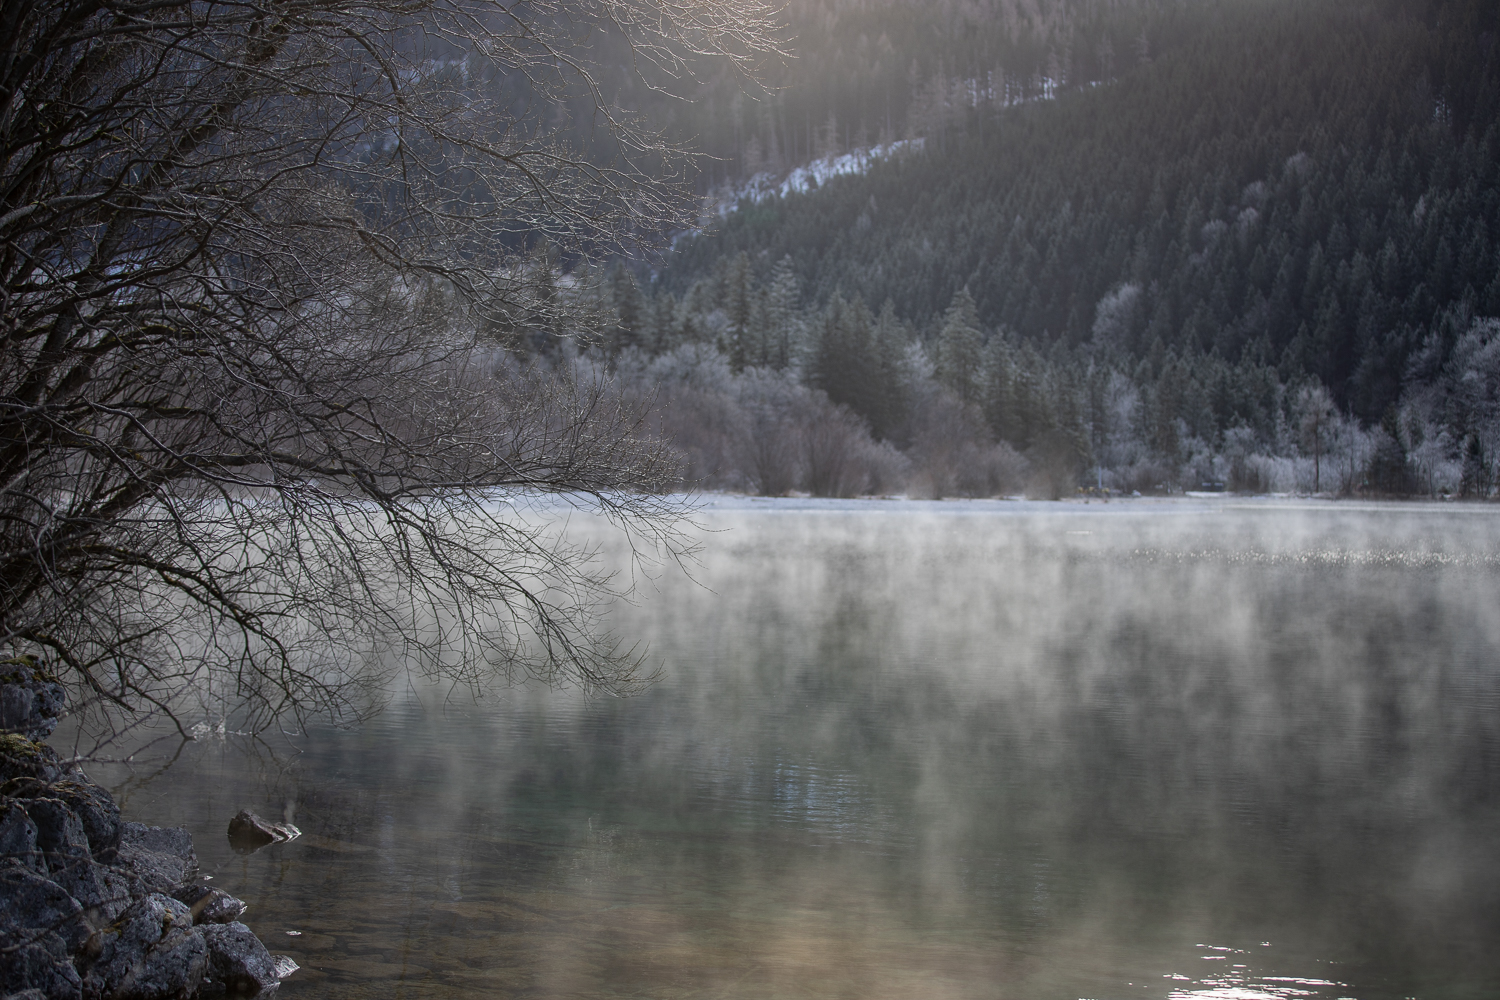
{"x": 252, "y": 435}
{"x": 1315, "y": 413}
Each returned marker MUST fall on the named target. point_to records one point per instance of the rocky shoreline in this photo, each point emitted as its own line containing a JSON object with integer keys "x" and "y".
{"x": 93, "y": 907}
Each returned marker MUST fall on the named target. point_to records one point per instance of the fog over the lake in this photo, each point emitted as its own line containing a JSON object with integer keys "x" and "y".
{"x": 1237, "y": 749}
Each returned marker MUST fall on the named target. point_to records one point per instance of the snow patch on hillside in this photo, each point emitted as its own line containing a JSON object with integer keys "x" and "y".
{"x": 727, "y": 198}
{"x": 994, "y": 91}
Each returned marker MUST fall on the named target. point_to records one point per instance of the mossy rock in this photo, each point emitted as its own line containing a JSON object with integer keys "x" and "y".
{"x": 15, "y": 746}
{"x": 26, "y": 669}
{"x": 25, "y": 762}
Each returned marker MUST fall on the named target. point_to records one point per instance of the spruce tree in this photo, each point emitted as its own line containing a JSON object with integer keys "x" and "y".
{"x": 783, "y": 319}
{"x": 738, "y": 305}
{"x": 960, "y": 350}
{"x": 632, "y": 319}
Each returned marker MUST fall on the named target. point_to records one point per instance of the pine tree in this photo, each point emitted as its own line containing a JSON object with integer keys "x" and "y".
{"x": 757, "y": 336}
{"x": 632, "y": 319}
{"x": 783, "y": 316}
{"x": 1000, "y": 399}
{"x": 856, "y": 362}
{"x": 960, "y": 350}
{"x": 662, "y": 334}
{"x": 890, "y": 411}
{"x": 738, "y": 305}
{"x": 842, "y": 354}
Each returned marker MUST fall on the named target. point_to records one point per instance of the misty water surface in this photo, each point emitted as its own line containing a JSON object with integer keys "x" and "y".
{"x": 1228, "y": 750}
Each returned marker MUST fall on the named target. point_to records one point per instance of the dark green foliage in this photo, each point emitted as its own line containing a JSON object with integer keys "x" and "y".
{"x": 1264, "y": 257}
{"x": 739, "y": 302}
{"x": 634, "y": 326}
{"x": 1478, "y": 470}
{"x": 867, "y": 71}
{"x": 854, "y": 362}
{"x": 1390, "y": 470}
{"x": 960, "y": 350}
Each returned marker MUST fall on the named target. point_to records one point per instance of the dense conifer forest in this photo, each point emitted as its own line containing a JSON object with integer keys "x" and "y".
{"x": 1150, "y": 246}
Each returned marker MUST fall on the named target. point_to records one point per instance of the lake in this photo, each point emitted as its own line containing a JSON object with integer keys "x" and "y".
{"x": 1230, "y": 749}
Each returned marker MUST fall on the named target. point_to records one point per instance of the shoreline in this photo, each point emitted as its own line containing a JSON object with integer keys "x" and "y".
{"x": 1192, "y": 502}
{"x": 95, "y": 905}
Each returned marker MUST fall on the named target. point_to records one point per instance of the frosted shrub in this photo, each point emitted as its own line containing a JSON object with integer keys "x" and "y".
{"x": 771, "y": 449}
{"x": 834, "y": 442}
{"x": 994, "y": 470}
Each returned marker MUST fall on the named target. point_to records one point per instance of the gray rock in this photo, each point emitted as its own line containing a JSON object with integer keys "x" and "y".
{"x": 248, "y": 833}
{"x": 96, "y": 810}
{"x": 172, "y": 969}
{"x": 116, "y": 896}
{"x": 85, "y": 882}
{"x": 238, "y": 961}
{"x": 152, "y": 952}
{"x": 209, "y": 905}
{"x": 38, "y": 914}
{"x": 31, "y": 701}
{"x": 36, "y": 970}
{"x": 31, "y": 901}
{"x": 68, "y": 865}
{"x": 161, "y": 857}
{"x": 173, "y": 840}
{"x": 64, "y": 845}
{"x": 18, "y": 837}
{"x": 285, "y": 965}
{"x": 65, "y": 849}
{"x": 59, "y": 833}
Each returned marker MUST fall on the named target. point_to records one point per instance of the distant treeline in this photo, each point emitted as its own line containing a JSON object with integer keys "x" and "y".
{"x": 1263, "y": 254}
{"x": 761, "y": 393}
{"x": 1314, "y": 183}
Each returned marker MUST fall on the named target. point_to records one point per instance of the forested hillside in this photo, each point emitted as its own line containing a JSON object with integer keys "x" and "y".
{"x": 1237, "y": 236}
{"x": 867, "y": 71}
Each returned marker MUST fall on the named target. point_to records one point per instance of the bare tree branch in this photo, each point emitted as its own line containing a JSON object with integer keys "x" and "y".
{"x": 253, "y": 439}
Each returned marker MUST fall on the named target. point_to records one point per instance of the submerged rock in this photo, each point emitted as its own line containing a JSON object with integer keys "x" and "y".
{"x": 248, "y": 833}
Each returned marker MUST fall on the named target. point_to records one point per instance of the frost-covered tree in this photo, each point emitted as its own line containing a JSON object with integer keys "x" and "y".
{"x": 1314, "y": 413}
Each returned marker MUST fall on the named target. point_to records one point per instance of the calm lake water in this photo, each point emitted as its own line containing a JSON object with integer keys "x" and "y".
{"x": 1216, "y": 749}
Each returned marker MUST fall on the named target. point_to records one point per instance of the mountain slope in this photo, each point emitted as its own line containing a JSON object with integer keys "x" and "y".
{"x": 1310, "y": 184}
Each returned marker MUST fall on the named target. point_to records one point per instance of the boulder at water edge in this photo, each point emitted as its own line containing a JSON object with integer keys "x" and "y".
{"x": 93, "y": 907}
